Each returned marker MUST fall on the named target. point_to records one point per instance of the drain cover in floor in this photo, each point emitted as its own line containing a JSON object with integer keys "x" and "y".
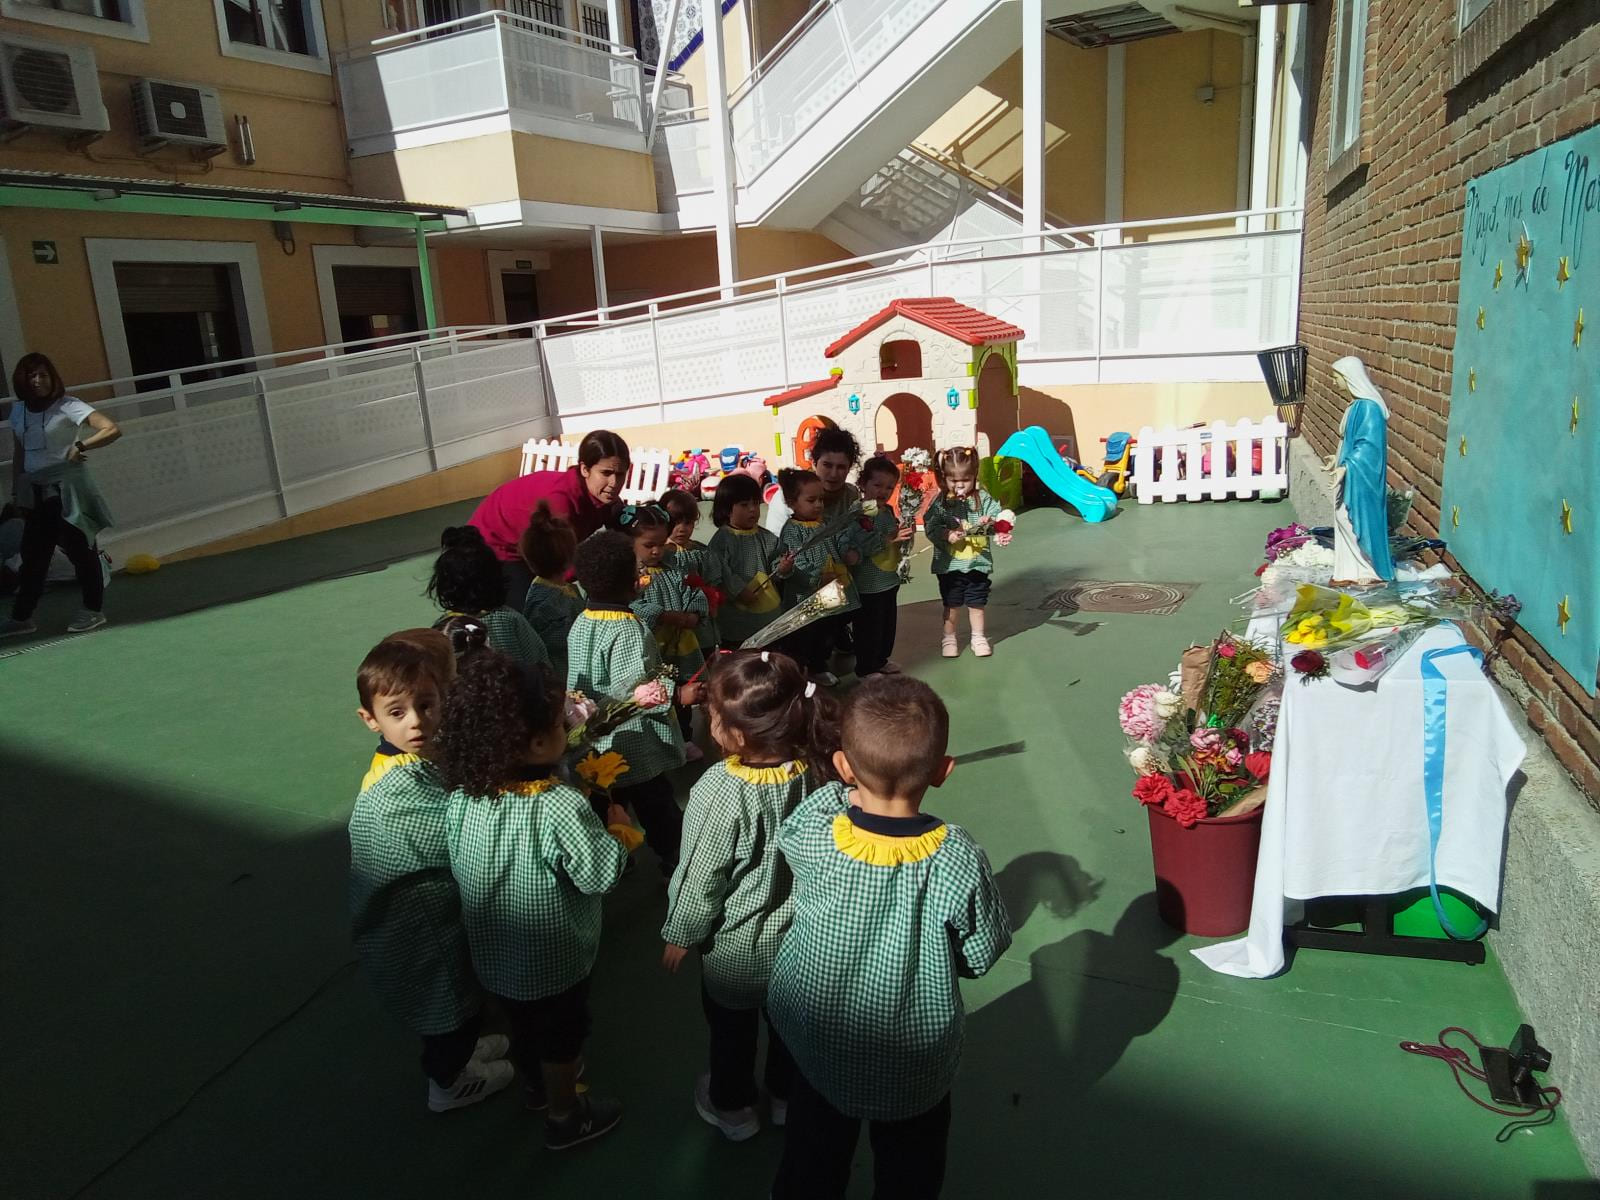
{"x": 1101, "y": 595}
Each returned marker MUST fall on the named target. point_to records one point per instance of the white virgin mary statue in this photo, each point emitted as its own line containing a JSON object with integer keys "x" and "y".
{"x": 1361, "y": 518}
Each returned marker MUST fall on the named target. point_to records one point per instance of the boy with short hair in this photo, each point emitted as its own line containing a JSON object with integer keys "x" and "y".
{"x": 405, "y": 911}
{"x": 877, "y": 1035}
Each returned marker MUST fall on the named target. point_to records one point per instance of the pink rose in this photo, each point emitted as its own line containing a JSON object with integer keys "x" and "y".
{"x": 1206, "y": 740}
{"x": 1226, "y": 650}
{"x": 650, "y": 695}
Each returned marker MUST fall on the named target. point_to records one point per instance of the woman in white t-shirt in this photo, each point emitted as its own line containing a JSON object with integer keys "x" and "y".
{"x": 52, "y": 488}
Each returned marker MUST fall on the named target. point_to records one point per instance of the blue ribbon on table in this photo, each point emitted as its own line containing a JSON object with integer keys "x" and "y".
{"x": 1435, "y": 700}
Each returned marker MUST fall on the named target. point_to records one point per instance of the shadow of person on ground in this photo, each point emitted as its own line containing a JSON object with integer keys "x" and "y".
{"x": 1044, "y": 878}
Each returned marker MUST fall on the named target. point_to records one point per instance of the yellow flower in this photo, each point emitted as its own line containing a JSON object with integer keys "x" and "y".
{"x": 1259, "y": 672}
{"x": 602, "y": 770}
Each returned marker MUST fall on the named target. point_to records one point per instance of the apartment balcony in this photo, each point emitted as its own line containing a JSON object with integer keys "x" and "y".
{"x": 499, "y": 107}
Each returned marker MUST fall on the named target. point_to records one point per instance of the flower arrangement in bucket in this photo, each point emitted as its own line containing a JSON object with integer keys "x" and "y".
{"x": 1201, "y": 775}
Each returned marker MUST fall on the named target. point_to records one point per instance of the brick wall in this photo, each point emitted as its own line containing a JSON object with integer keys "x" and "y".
{"x": 1383, "y": 245}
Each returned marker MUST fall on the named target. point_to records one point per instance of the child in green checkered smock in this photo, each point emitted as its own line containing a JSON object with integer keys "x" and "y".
{"x": 690, "y": 557}
{"x": 552, "y": 603}
{"x": 963, "y": 524}
{"x": 878, "y": 540}
{"x": 730, "y": 895}
{"x": 405, "y": 910}
{"x": 468, "y": 581}
{"x": 532, "y": 861}
{"x": 745, "y": 560}
{"x": 610, "y": 653}
{"x": 803, "y": 571}
{"x": 892, "y": 908}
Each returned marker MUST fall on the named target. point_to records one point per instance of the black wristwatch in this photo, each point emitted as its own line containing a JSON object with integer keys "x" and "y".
{"x": 81, "y": 448}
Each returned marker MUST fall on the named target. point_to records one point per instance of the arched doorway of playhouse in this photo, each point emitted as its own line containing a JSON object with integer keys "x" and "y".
{"x": 806, "y": 436}
{"x": 902, "y": 421}
{"x": 997, "y": 402}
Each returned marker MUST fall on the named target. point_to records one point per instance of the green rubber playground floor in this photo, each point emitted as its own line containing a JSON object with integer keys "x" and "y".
{"x": 182, "y": 1017}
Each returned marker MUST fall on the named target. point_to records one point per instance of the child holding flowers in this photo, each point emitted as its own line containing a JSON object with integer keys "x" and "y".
{"x": 744, "y": 558}
{"x": 806, "y": 565}
{"x": 878, "y": 539}
{"x": 961, "y": 523}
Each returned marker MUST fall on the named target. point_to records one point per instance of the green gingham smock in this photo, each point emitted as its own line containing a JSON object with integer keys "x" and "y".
{"x": 669, "y": 591}
{"x": 878, "y": 570}
{"x": 743, "y": 557}
{"x": 945, "y": 515}
{"x": 405, "y": 911}
{"x": 532, "y": 864}
{"x": 730, "y": 893}
{"x": 835, "y": 503}
{"x": 816, "y": 566}
{"x": 509, "y": 633}
{"x": 551, "y": 608}
{"x": 696, "y": 559}
{"x": 864, "y": 992}
{"x": 609, "y": 653}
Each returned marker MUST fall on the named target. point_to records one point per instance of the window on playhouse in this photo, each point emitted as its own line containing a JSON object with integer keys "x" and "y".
{"x": 900, "y": 360}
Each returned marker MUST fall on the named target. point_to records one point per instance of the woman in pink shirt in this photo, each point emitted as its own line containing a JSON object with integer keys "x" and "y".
{"x": 583, "y": 496}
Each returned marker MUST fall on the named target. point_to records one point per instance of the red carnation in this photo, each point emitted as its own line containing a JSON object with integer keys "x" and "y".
{"x": 1186, "y": 808}
{"x": 912, "y": 480}
{"x": 1226, "y": 650}
{"x": 1152, "y": 789}
{"x": 1002, "y": 527}
{"x": 1258, "y": 764}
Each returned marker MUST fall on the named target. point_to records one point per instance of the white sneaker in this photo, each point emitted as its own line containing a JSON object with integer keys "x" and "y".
{"x": 779, "y": 1111}
{"x": 825, "y": 679}
{"x": 980, "y": 646}
{"x": 84, "y": 620}
{"x": 477, "y": 1081}
{"x": 11, "y": 627}
{"x": 737, "y": 1124}
{"x": 490, "y": 1047}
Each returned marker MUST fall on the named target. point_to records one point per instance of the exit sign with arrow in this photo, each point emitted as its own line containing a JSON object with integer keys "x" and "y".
{"x": 45, "y": 252}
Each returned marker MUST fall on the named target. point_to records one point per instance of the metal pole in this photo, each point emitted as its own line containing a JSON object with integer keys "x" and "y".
{"x": 422, "y": 408}
{"x": 1033, "y": 118}
{"x": 723, "y": 179}
{"x": 425, "y": 278}
{"x": 264, "y": 410}
{"x": 664, "y": 37}
{"x": 655, "y": 352}
{"x": 597, "y": 256}
{"x": 783, "y": 327}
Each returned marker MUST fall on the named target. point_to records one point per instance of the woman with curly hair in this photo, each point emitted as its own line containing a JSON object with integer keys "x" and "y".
{"x": 532, "y": 861}
{"x": 468, "y": 583}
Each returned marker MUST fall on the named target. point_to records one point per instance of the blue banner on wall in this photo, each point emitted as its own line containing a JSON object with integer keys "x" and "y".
{"x": 1522, "y": 458}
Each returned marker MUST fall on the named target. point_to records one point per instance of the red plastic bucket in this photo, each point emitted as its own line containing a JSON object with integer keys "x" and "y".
{"x": 1205, "y": 875}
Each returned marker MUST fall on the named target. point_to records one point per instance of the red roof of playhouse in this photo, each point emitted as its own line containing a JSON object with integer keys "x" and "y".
{"x": 941, "y": 313}
{"x": 803, "y": 390}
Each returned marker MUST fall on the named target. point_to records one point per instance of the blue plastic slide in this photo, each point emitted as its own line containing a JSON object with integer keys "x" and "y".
{"x": 1032, "y": 445}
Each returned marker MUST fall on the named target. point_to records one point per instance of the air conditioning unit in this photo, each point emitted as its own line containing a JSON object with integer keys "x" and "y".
{"x": 49, "y": 85}
{"x": 185, "y": 114}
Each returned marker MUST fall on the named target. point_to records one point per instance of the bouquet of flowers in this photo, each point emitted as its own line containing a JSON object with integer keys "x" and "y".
{"x": 1239, "y": 670}
{"x": 916, "y": 476}
{"x": 998, "y": 527}
{"x": 824, "y": 602}
{"x": 589, "y": 721}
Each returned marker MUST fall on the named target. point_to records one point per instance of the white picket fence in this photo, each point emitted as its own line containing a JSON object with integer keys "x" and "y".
{"x": 646, "y": 481}
{"x": 1212, "y": 463}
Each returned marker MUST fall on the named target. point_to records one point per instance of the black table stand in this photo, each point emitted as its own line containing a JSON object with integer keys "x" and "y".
{"x": 1377, "y": 936}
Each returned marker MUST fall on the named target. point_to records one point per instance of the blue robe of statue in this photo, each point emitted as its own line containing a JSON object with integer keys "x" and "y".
{"x": 1363, "y": 491}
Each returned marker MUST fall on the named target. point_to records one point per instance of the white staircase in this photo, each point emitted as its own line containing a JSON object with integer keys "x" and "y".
{"x": 852, "y": 85}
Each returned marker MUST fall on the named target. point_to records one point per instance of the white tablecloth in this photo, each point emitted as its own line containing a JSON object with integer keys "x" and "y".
{"x": 1345, "y": 812}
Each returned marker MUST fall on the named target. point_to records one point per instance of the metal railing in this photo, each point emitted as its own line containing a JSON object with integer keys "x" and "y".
{"x": 205, "y": 459}
{"x": 491, "y": 64}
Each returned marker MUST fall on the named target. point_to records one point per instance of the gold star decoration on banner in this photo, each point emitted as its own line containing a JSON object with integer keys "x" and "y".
{"x": 1562, "y": 274}
{"x": 1566, "y": 517}
{"x": 1563, "y": 614}
{"x": 1499, "y": 273}
{"x": 1524, "y": 251}
{"x": 1577, "y": 329}
{"x": 1482, "y": 316}
{"x": 1455, "y": 516}
{"x": 1463, "y": 445}
{"x": 1472, "y": 379}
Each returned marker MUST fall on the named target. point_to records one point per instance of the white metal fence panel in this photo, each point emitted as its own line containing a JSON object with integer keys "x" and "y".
{"x": 682, "y": 154}
{"x": 452, "y": 76}
{"x": 1244, "y": 460}
{"x": 325, "y": 421}
{"x": 609, "y": 367}
{"x": 484, "y": 386}
{"x": 648, "y": 474}
{"x": 716, "y": 351}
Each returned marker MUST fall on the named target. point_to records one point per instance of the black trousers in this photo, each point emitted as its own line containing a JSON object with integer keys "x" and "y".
{"x": 874, "y": 625}
{"x": 518, "y": 580}
{"x": 445, "y": 1055}
{"x": 657, "y": 809}
{"x": 551, "y": 1029}
{"x": 734, "y": 1033}
{"x": 43, "y": 529}
{"x": 908, "y": 1157}
{"x": 812, "y": 646}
